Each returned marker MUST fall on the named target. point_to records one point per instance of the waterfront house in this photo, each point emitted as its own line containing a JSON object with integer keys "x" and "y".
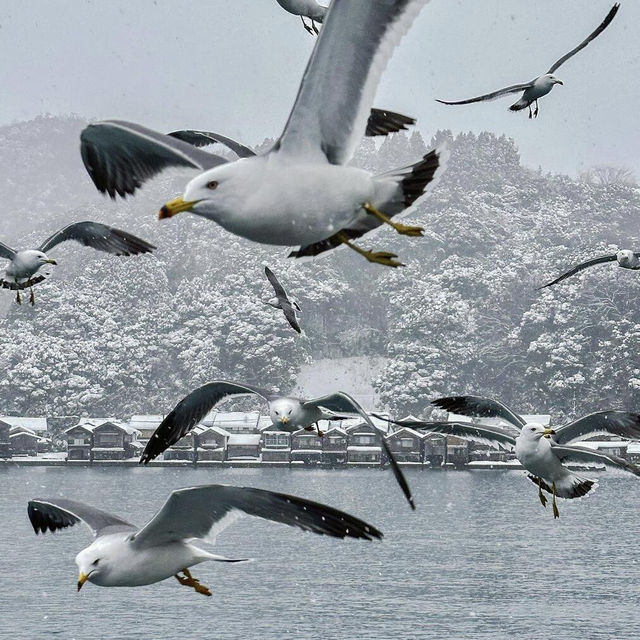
{"x": 5, "y": 447}
{"x": 306, "y": 446}
{"x": 236, "y": 421}
{"x": 334, "y": 447}
{"x": 243, "y": 446}
{"x": 364, "y": 444}
{"x": 79, "y": 440}
{"x": 184, "y": 449}
{"x": 145, "y": 425}
{"x": 633, "y": 452}
{"x": 24, "y": 442}
{"x": 114, "y": 441}
{"x": 37, "y": 425}
{"x": 407, "y": 445}
{"x": 275, "y": 445}
{"x": 211, "y": 443}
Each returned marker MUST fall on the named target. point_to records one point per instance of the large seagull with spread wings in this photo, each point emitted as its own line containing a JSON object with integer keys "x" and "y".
{"x": 25, "y": 265}
{"x": 542, "y": 452}
{"x": 538, "y": 87}
{"x": 301, "y": 193}
{"x": 286, "y": 413}
{"x": 123, "y": 555}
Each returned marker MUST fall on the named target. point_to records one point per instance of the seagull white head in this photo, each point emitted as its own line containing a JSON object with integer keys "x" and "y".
{"x": 206, "y": 195}
{"x": 37, "y": 259}
{"x": 535, "y": 431}
{"x": 625, "y": 256}
{"x": 553, "y": 79}
{"x": 92, "y": 563}
{"x": 286, "y": 412}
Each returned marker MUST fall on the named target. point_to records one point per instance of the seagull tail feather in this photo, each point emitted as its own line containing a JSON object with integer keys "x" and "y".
{"x": 520, "y": 105}
{"x": 569, "y": 487}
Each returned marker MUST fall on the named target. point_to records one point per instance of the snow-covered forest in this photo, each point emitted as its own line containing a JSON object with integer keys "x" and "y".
{"x": 115, "y": 336}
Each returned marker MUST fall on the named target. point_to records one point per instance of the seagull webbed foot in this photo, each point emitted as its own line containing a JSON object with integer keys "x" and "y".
{"x": 543, "y": 498}
{"x": 315, "y": 29}
{"x": 535, "y": 113}
{"x": 556, "y": 513}
{"x": 18, "y": 298}
{"x": 402, "y": 229}
{"x": 379, "y": 257}
{"x": 189, "y": 581}
{"x": 308, "y": 29}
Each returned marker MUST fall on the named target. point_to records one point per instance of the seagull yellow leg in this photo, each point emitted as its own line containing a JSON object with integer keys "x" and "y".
{"x": 402, "y": 229}
{"x": 32, "y": 297}
{"x": 189, "y": 581}
{"x": 556, "y": 513}
{"x": 18, "y": 298}
{"x": 543, "y": 498}
{"x": 306, "y": 26}
{"x": 535, "y": 113}
{"x": 379, "y": 257}
{"x": 320, "y": 434}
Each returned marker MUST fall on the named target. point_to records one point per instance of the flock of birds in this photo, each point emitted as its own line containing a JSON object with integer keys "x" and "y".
{"x": 302, "y": 192}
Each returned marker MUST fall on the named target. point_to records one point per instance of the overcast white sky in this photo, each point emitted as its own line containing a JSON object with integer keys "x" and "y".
{"x": 233, "y": 66}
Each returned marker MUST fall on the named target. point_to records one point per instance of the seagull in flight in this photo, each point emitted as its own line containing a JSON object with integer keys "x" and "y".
{"x": 24, "y": 267}
{"x": 282, "y": 301}
{"x": 625, "y": 258}
{"x": 286, "y": 413}
{"x": 123, "y": 555}
{"x": 309, "y": 9}
{"x": 541, "y": 86}
{"x": 301, "y": 193}
{"x": 542, "y": 452}
{"x": 381, "y": 122}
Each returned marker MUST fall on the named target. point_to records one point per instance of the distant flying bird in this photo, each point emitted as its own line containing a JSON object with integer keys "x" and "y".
{"x": 542, "y": 85}
{"x": 282, "y": 301}
{"x": 625, "y": 258}
{"x": 380, "y": 123}
{"x": 306, "y": 9}
{"x": 301, "y": 192}
{"x": 25, "y": 264}
{"x": 123, "y": 555}
{"x": 288, "y": 414}
{"x": 542, "y": 452}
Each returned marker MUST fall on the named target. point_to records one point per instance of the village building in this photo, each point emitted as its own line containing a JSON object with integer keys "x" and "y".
{"x": 79, "y": 441}
{"x": 5, "y": 447}
{"x": 145, "y": 425}
{"x": 115, "y": 441}
{"x": 24, "y": 442}
{"x": 184, "y": 449}
{"x": 243, "y": 446}
{"x": 306, "y": 447}
{"x": 211, "y": 443}
{"x": 275, "y": 445}
{"x": 407, "y": 445}
{"x": 364, "y": 444}
{"x": 334, "y": 447}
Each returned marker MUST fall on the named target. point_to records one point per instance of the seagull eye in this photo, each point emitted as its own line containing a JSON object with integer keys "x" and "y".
{"x": 277, "y": 413}
{"x": 212, "y": 185}
{"x": 95, "y": 562}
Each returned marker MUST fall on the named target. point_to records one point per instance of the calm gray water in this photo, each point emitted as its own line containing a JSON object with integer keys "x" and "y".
{"x": 480, "y": 558}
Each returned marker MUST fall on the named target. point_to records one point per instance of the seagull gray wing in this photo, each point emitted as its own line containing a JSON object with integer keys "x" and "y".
{"x": 204, "y": 138}
{"x": 307, "y": 8}
{"x": 202, "y": 512}
{"x": 580, "y": 267}
{"x": 619, "y": 423}
{"x": 479, "y": 407}
{"x": 514, "y": 88}
{"x": 329, "y": 116}
{"x": 121, "y": 156}
{"x": 343, "y": 404}
{"x": 496, "y": 437}
{"x": 281, "y": 294}
{"x": 7, "y": 252}
{"x": 382, "y": 122}
{"x": 191, "y": 410}
{"x": 582, "y": 455}
{"x": 99, "y": 236}
{"x": 603, "y": 25}
{"x": 290, "y": 315}
{"x": 59, "y": 513}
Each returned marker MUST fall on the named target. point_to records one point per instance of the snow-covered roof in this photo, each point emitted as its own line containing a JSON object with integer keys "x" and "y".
{"x": 408, "y": 431}
{"x": 538, "y": 418}
{"x": 604, "y": 444}
{"x": 247, "y": 439}
{"x": 306, "y": 451}
{"x": 37, "y": 425}
{"x": 24, "y": 432}
{"x": 633, "y": 447}
{"x": 337, "y": 430}
{"x": 119, "y": 425}
{"x": 364, "y": 449}
{"x": 234, "y": 420}
{"x": 87, "y": 426}
{"x": 201, "y": 429}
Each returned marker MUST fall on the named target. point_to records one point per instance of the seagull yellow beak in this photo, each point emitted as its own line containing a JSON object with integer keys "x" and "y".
{"x": 175, "y": 206}
{"x": 547, "y": 433}
{"x": 284, "y": 419}
{"x": 82, "y": 578}
{"x": 51, "y": 261}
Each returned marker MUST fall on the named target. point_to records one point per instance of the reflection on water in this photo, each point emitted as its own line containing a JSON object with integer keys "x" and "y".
{"x": 480, "y": 558}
